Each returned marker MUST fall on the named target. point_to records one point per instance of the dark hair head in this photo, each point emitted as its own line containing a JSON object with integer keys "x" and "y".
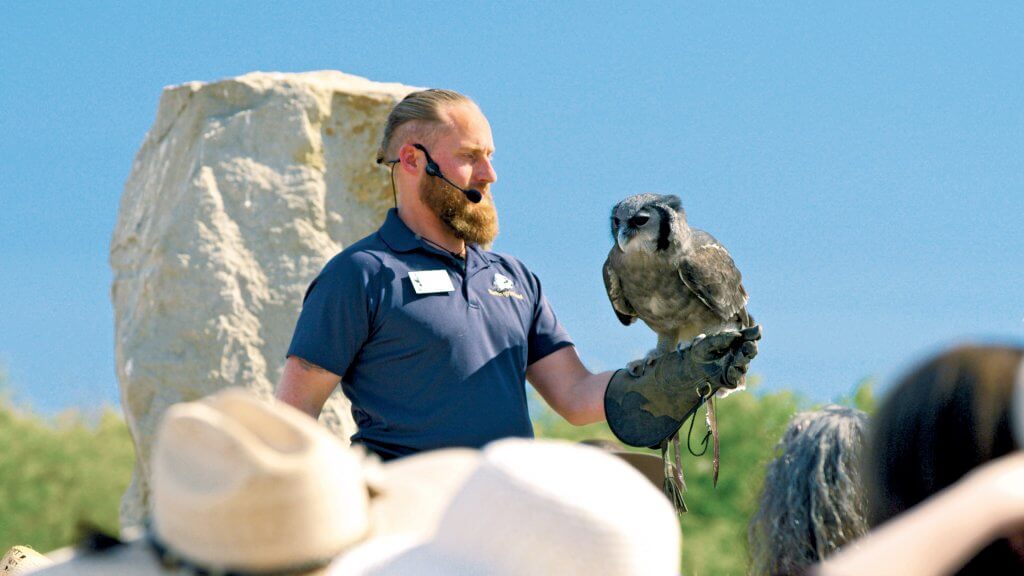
{"x": 948, "y": 416}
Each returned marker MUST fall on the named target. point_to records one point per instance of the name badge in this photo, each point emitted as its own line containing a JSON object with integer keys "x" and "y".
{"x": 431, "y": 281}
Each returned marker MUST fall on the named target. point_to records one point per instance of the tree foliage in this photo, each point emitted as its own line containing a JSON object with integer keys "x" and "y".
{"x": 59, "y": 474}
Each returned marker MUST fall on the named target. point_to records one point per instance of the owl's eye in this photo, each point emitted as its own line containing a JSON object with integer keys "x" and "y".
{"x": 639, "y": 220}
{"x": 615, "y": 221}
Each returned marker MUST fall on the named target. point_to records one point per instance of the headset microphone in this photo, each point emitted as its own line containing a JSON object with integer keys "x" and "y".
{"x": 432, "y": 169}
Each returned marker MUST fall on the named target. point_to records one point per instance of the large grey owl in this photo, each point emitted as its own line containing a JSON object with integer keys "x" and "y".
{"x": 679, "y": 280}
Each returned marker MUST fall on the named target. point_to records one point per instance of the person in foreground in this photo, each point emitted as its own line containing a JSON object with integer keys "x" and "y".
{"x": 239, "y": 486}
{"x": 245, "y": 487}
{"x": 945, "y": 474}
{"x": 813, "y": 501}
{"x": 523, "y": 508}
{"x": 432, "y": 336}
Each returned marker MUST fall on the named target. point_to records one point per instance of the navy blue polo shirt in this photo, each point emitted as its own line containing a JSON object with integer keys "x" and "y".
{"x": 427, "y": 370}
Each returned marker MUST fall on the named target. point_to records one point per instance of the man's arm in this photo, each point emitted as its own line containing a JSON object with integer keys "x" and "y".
{"x": 305, "y": 385}
{"x": 574, "y": 392}
{"x": 645, "y": 409}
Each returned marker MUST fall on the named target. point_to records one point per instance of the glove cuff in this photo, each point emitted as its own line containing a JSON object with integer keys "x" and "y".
{"x": 645, "y": 410}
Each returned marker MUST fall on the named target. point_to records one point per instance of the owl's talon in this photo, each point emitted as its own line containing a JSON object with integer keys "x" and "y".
{"x": 636, "y": 368}
{"x": 683, "y": 345}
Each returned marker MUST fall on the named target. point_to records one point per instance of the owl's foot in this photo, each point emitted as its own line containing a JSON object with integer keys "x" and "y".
{"x": 684, "y": 345}
{"x": 636, "y": 368}
{"x": 722, "y": 392}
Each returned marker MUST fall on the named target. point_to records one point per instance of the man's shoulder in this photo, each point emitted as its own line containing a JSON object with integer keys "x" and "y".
{"x": 367, "y": 255}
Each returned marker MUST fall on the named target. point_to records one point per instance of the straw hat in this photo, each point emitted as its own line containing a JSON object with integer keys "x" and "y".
{"x": 134, "y": 559}
{"x": 21, "y": 560}
{"x": 242, "y": 485}
{"x": 537, "y": 507}
{"x": 410, "y": 494}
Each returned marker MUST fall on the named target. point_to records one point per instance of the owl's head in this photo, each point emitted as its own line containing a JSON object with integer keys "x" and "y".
{"x": 648, "y": 222}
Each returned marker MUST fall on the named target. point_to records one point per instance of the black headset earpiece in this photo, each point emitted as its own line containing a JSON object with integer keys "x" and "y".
{"x": 432, "y": 169}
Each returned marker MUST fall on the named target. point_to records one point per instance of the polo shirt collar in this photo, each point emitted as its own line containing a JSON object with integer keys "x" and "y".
{"x": 397, "y": 235}
{"x": 400, "y": 238}
{"x": 476, "y": 258}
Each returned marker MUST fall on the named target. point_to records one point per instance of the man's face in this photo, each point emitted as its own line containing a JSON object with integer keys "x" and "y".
{"x": 463, "y": 152}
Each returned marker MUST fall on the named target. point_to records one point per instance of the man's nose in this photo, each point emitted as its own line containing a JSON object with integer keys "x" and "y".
{"x": 485, "y": 171}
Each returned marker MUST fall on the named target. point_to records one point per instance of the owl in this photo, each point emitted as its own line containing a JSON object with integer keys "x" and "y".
{"x": 679, "y": 280}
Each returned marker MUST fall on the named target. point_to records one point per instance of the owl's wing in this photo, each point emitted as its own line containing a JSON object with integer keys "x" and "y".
{"x": 623, "y": 309}
{"x": 709, "y": 272}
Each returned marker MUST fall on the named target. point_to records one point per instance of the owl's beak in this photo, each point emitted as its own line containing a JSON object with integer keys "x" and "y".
{"x": 621, "y": 239}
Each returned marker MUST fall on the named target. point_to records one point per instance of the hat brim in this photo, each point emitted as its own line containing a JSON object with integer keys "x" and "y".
{"x": 411, "y": 494}
{"x": 132, "y": 559}
{"x": 21, "y": 560}
{"x": 405, "y": 555}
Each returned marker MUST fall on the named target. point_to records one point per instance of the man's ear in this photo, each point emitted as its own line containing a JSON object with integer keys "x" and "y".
{"x": 408, "y": 160}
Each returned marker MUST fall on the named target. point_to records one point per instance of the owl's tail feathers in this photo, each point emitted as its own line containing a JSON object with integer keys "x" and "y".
{"x": 674, "y": 485}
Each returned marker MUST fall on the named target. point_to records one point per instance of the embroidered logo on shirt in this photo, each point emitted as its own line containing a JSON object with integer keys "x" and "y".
{"x": 503, "y": 286}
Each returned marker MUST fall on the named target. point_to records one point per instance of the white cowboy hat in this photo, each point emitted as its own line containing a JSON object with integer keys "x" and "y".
{"x": 408, "y": 495}
{"x": 537, "y": 507}
{"x": 242, "y": 485}
{"x": 21, "y": 560}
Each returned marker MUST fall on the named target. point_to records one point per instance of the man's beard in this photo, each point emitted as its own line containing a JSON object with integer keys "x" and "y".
{"x": 473, "y": 223}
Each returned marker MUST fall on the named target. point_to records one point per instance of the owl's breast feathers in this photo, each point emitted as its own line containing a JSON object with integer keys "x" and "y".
{"x": 682, "y": 292}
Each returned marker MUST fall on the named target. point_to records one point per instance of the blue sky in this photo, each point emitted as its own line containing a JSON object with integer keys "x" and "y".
{"x": 863, "y": 162}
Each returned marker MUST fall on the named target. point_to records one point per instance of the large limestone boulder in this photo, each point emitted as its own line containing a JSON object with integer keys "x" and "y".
{"x": 241, "y": 192}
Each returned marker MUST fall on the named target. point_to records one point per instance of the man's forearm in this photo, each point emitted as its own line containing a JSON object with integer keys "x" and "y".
{"x": 568, "y": 387}
{"x": 588, "y": 398}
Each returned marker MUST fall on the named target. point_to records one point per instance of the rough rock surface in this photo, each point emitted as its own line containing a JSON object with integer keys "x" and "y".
{"x": 242, "y": 190}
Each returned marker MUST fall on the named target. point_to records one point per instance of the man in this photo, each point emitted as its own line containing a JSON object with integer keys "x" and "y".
{"x": 431, "y": 335}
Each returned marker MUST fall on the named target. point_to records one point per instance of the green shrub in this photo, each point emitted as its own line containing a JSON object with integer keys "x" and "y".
{"x": 56, "y": 474}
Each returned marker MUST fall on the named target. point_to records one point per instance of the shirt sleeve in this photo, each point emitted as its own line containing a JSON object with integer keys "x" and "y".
{"x": 335, "y": 320}
{"x": 547, "y": 334}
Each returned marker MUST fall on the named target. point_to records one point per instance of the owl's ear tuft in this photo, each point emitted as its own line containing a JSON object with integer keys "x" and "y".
{"x": 613, "y": 220}
{"x": 673, "y": 202}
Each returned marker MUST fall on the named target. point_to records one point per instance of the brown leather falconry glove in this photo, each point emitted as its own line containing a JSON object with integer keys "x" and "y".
{"x": 645, "y": 410}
